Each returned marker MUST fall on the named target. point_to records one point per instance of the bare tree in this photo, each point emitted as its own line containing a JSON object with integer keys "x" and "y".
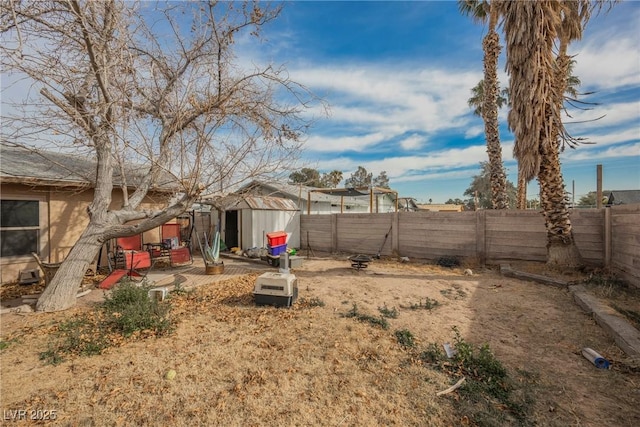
{"x": 153, "y": 84}
{"x": 332, "y": 179}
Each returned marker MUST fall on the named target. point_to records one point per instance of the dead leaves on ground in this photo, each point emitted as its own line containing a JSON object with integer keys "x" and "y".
{"x": 229, "y": 301}
{"x": 232, "y": 301}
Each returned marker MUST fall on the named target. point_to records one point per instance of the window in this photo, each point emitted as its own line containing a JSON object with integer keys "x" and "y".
{"x": 19, "y": 227}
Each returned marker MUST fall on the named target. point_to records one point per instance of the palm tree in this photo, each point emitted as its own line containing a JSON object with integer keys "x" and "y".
{"x": 570, "y": 91}
{"x": 569, "y": 26}
{"x": 531, "y": 29}
{"x": 483, "y": 10}
{"x": 477, "y": 98}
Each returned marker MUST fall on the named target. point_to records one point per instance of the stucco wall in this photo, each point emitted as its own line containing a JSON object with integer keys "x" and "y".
{"x": 63, "y": 217}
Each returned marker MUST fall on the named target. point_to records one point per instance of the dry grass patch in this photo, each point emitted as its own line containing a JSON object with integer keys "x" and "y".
{"x": 312, "y": 364}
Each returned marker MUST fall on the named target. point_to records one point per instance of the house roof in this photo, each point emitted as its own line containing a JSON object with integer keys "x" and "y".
{"x": 301, "y": 192}
{"x": 624, "y": 197}
{"x": 407, "y": 204}
{"x": 440, "y": 207}
{"x": 39, "y": 167}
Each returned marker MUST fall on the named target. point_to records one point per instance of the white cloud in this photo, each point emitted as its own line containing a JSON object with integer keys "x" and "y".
{"x": 609, "y": 55}
{"x": 629, "y": 150}
{"x": 412, "y": 142}
{"x": 605, "y": 137}
{"x": 405, "y": 168}
{"x": 343, "y": 143}
{"x": 615, "y": 63}
{"x": 387, "y": 102}
{"x": 624, "y": 113}
{"x": 473, "y": 131}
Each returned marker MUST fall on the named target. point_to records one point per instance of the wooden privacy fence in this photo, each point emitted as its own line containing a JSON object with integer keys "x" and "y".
{"x": 605, "y": 237}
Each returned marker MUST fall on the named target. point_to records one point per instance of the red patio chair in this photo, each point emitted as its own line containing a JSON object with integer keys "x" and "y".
{"x": 124, "y": 246}
{"x": 129, "y": 257}
{"x": 179, "y": 252}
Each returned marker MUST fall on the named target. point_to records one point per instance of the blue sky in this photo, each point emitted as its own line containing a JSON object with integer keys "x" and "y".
{"x": 397, "y": 77}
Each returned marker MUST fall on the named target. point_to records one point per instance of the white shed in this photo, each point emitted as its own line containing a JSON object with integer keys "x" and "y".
{"x": 248, "y": 219}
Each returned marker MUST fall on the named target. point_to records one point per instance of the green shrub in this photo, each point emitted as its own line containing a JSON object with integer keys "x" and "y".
{"x": 178, "y": 289}
{"x": 600, "y": 278}
{"x": 433, "y": 355}
{"x": 316, "y": 302}
{"x": 388, "y": 313}
{"x": 78, "y": 336}
{"x": 4, "y": 344}
{"x": 429, "y": 304}
{"x": 489, "y": 396}
{"x": 375, "y": 321}
{"x": 129, "y": 309}
{"x": 405, "y": 338}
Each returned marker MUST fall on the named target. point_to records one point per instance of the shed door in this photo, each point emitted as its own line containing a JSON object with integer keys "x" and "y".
{"x": 231, "y": 228}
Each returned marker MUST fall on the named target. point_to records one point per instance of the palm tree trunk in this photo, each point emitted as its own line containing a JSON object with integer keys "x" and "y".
{"x": 491, "y": 47}
{"x": 521, "y": 203}
{"x": 561, "y": 247}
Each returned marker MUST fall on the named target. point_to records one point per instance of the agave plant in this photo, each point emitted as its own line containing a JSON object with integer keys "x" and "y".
{"x": 212, "y": 253}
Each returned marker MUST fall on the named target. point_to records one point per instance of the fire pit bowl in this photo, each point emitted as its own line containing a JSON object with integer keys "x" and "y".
{"x": 359, "y": 261}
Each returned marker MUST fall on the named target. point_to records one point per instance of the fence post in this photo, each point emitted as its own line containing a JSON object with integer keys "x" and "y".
{"x": 334, "y": 233}
{"x": 395, "y": 234}
{"x": 607, "y": 237}
{"x": 481, "y": 221}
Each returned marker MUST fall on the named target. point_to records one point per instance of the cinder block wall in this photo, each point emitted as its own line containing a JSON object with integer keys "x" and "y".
{"x": 605, "y": 237}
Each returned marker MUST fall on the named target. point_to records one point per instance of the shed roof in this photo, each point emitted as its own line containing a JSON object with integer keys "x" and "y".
{"x": 354, "y": 197}
{"x": 245, "y": 201}
{"x": 40, "y": 167}
{"x": 624, "y": 197}
{"x": 270, "y": 203}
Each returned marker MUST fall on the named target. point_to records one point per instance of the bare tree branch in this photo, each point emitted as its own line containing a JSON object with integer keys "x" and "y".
{"x": 171, "y": 99}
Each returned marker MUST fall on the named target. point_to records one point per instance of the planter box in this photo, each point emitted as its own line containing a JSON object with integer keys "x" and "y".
{"x": 211, "y": 269}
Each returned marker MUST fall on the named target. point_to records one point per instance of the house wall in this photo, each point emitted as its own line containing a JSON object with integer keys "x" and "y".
{"x": 257, "y": 223}
{"x": 604, "y": 237}
{"x": 63, "y": 217}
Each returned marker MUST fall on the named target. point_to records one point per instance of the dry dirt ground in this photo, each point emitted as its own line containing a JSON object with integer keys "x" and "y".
{"x": 242, "y": 365}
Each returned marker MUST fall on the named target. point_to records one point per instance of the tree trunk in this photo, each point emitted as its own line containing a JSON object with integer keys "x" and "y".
{"x": 521, "y": 203}
{"x": 60, "y": 294}
{"x": 498, "y": 179}
{"x": 561, "y": 247}
{"x": 563, "y": 255}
